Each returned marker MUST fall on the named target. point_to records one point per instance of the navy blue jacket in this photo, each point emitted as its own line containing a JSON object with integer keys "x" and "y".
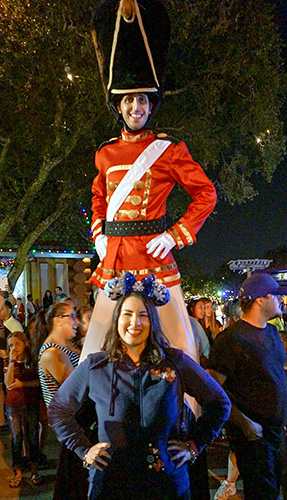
{"x": 139, "y": 409}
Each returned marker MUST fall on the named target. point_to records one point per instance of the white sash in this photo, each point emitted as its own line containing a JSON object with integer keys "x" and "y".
{"x": 145, "y": 160}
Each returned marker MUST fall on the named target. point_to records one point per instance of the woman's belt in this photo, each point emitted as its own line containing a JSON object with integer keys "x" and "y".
{"x": 134, "y": 228}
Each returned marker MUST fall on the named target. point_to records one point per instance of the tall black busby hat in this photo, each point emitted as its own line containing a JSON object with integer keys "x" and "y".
{"x": 131, "y": 40}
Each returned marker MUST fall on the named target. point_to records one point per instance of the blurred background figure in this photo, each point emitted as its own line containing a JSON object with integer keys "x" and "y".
{"x": 30, "y": 329}
{"x": 195, "y": 309}
{"x": 232, "y": 312}
{"x": 47, "y": 299}
{"x": 84, "y": 314}
{"x": 22, "y": 406}
{"x": 10, "y": 323}
{"x": 59, "y": 294}
{"x": 19, "y": 311}
{"x": 209, "y": 322}
{"x": 30, "y": 307}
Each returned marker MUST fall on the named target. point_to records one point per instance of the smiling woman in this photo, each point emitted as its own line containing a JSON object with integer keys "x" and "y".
{"x": 137, "y": 385}
{"x": 134, "y": 326}
{"x": 57, "y": 356}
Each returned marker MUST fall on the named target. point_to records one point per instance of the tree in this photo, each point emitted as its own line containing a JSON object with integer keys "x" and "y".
{"x": 229, "y": 69}
{"x": 278, "y": 256}
{"x": 223, "y": 95}
{"x": 50, "y": 97}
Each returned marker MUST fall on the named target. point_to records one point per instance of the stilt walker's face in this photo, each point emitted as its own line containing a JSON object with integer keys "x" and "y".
{"x": 135, "y": 109}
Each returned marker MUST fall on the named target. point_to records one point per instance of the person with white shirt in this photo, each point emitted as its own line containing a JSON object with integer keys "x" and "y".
{"x": 9, "y": 322}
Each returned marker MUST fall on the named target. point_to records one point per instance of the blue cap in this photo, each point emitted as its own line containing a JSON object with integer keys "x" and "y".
{"x": 259, "y": 285}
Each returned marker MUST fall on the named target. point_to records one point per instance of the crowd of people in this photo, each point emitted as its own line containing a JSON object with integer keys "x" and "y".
{"x": 136, "y": 398}
{"x": 43, "y": 356}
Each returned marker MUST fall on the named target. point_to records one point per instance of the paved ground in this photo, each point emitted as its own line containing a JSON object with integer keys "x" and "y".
{"x": 217, "y": 462}
{"x": 27, "y": 490}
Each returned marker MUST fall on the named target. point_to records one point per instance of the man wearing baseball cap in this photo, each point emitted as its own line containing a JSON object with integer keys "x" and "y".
{"x": 248, "y": 360}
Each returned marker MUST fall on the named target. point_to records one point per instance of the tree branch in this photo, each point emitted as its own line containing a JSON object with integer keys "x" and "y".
{"x": 47, "y": 166}
{"x": 24, "y": 248}
{"x": 5, "y": 142}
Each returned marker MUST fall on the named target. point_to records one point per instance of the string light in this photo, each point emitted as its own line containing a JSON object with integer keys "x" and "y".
{"x": 58, "y": 251}
{"x": 43, "y": 251}
{"x": 6, "y": 263}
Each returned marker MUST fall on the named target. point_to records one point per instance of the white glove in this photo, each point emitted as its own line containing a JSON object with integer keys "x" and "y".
{"x": 162, "y": 243}
{"x": 101, "y": 242}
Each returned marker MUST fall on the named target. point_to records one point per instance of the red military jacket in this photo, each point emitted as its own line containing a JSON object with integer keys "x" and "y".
{"x": 147, "y": 201}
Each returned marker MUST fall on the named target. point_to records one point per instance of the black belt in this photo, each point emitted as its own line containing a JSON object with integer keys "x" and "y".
{"x": 134, "y": 228}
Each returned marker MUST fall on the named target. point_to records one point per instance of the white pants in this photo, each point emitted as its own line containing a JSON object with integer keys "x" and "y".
{"x": 174, "y": 320}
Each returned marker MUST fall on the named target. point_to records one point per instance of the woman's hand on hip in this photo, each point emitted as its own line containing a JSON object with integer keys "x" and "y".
{"x": 98, "y": 455}
{"x": 182, "y": 451}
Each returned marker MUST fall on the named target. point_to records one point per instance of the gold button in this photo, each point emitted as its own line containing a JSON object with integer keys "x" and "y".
{"x": 132, "y": 214}
{"x": 135, "y": 200}
{"x": 112, "y": 186}
{"x": 138, "y": 185}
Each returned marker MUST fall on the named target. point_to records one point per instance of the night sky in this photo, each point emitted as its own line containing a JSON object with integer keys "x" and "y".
{"x": 250, "y": 230}
{"x": 245, "y": 231}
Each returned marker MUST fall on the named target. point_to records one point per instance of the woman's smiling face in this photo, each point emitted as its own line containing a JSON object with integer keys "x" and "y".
{"x": 134, "y": 323}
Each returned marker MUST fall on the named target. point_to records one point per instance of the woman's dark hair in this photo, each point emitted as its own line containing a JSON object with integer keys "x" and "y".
{"x": 157, "y": 343}
{"x": 80, "y": 311}
{"x": 44, "y": 323}
{"x": 55, "y": 310}
{"x": 41, "y": 332}
{"x": 191, "y": 305}
{"x": 47, "y": 299}
{"x": 215, "y": 326}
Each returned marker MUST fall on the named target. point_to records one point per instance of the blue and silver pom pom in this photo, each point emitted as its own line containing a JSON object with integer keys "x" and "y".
{"x": 157, "y": 292}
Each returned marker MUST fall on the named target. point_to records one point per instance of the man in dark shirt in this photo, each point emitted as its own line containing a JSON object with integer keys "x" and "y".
{"x": 248, "y": 360}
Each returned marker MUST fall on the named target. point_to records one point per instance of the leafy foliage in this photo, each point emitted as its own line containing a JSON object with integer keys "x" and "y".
{"x": 228, "y": 63}
{"x": 223, "y": 95}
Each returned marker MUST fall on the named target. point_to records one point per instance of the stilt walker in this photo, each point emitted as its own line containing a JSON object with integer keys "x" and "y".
{"x": 138, "y": 170}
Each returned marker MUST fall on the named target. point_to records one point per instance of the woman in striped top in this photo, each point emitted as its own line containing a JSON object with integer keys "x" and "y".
{"x": 58, "y": 356}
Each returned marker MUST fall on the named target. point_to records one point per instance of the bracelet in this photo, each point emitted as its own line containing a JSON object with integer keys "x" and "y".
{"x": 85, "y": 463}
{"x": 12, "y": 360}
{"x": 193, "y": 454}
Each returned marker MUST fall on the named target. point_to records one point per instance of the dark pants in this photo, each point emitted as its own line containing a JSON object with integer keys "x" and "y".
{"x": 283, "y": 466}
{"x": 24, "y": 423}
{"x": 198, "y": 476}
{"x": 72, "y": 479}
{"x": 258, "y": 463}
{"x": 148, "y": 495}
{"x": 147, "y": 487}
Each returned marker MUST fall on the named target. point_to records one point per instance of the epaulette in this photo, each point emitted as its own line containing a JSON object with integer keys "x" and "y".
{"x": 110, "y": 141}
{"x": 166, "y": 137}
